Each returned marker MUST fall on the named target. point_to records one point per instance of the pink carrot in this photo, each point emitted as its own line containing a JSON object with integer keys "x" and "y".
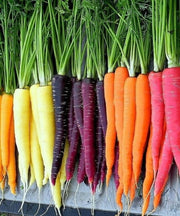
{"x": 171, "y": 93}
{"x": 157, "y": 116}
{"x": 164, "y": 165}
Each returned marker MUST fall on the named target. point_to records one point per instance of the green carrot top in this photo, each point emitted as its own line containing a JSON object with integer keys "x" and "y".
{"x": 42, "y": 38}
{"x": 61, "y": 23}
{"x": 9, "y": 45}
{"x": 158, "y": 32}
{"x": 27, "y": 53}
{"x": 79, "y": 47}
{"x": 172, "y": 34}
{"x": 141, "y": 24}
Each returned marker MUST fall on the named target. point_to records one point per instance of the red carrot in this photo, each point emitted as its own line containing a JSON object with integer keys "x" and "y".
{"x": 157, "y": 116}
{"x": 88, "y": 94}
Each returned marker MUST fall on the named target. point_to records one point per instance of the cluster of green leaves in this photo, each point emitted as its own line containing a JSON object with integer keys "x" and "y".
{"x": 86, "y": 37}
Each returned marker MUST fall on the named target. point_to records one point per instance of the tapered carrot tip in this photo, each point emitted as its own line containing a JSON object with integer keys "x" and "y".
{"x": 53, "y": 181}
{"x": 108, "y": 176}
{"x": 13, "y": 189}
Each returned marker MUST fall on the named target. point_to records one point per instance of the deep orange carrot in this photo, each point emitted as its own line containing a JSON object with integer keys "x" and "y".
{"x": 143, "y": 115}
{"x": 121, "y": 74}
{"x": 149, "y": 176}
{"x": 119, "y": 194}
{"x": 1, "y": 168}
{"x": 128, "y": 131}
{"x": 132, "y": 189}
{"x": 111, "y": 130}
{"x": 6, "y": 115}
{"x": 157, "y": 198}
{"x": 11, "y": 170}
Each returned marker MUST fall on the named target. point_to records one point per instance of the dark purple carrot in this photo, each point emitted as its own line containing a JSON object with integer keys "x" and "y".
{"x": 103, "y": 166}
{"x": 72, "y": 154}
{"x": 78, "y": 108}
{"x": 101, "y": 105}
{"x": 81, "y": 173}
{"x": 88, "y": 95}
{"x": 99, "y": 152}
{"x": 71, "y": 117}
{"x": 116, "y": 176}
{"x": 61, "y": 87}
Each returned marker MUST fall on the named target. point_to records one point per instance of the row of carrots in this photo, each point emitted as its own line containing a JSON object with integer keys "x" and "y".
{"x": 109, "y": 121}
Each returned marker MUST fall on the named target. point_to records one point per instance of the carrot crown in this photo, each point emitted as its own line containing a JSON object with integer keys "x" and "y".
{"x": 172, "y": 41}
{"x": 9, "y": 45}
{"x": 158, "y": 33}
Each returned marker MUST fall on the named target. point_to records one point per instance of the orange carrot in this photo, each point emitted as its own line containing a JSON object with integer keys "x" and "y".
{"x": 157, "y": 197}
{"x": 121, "y": 75}
{"x": 128, "y": 131}
{"x": 6, "y": 115}
{"x": 132, "y": 189}
{"x": 143, "y": 113}
{"x": 111, "y": 130}
{"x": 119, "y": 194}
{"x": 12, "y": 160}
{"x": 1, "y": 168}
{"x": 149, "y": 176}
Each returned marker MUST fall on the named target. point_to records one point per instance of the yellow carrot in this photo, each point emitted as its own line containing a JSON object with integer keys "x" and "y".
{"x": 22, "y": 112}
{"x": 63, "y": 165}
{"x": 46, "y": 126}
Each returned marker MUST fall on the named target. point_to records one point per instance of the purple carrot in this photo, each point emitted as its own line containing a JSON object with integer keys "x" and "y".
{"x": 101, "y": 105}
{"x": 116, "y": 176}
{"x": 71, "y": 117}
{"x": 88, "y": 95}
{"x": 72, "y": 154}
{"x": 99, "y": 151}
{"x": 61, "y": 87}
{"x": 103, "y": 166}
{"x": 81, "y": 173}
{"x": 78, "y": 108}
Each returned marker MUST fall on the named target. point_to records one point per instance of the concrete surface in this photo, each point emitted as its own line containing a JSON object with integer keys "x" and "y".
{"x": 105, "y": 200}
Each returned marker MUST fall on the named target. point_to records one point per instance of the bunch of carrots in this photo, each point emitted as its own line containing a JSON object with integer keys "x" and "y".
{"x": 76, "y": 86}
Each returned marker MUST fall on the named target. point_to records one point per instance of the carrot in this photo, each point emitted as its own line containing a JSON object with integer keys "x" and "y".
{"x": 61, "y": 86}
{"x": 6, "y": 115}
{"x": 36, "y": 158}
{"x": 88, "y": 95}
{"x": 121, "y": 74}
{"x": 22, "y": 112}
{"x": 149, "y": 176}
{"x": 1, "y": 167}
{"x": 115, "y": 171}
{"x": 157, "y": 197}
{"x": 63, "y": 165}
{"x": 119, "y": 194}
{"x": 143, "y": 114}
{"x": 157, "y": 116}
{"x": 128, "y": 130}
{"x": 46, "y": 127}
{"x": 164, "y": 165}
{"x": 111, "y": 130}
{"x": 11, "y": 169}
{"x": 171, "y": 93}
